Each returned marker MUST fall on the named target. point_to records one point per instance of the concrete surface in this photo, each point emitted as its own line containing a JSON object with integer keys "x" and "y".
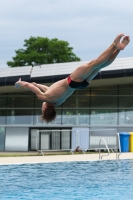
{"x": 61, "y": 158}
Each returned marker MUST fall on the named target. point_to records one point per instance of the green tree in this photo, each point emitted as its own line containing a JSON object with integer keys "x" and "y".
{"x": 39, "y": 50}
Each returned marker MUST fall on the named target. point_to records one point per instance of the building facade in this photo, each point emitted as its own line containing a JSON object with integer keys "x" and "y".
{"x": 106, "y": 103}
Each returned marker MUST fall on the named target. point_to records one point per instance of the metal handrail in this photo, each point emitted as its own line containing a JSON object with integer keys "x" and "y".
{"x": 49, "y": 150}
{"x": 119, "y": 145}
{"x": 102, "y": 139}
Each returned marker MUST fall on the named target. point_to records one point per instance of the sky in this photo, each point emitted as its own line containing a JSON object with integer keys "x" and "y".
{"x": 89, "y": 26}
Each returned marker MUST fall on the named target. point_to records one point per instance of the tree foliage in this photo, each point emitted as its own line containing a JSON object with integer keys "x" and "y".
{"x": 39, "y": 50}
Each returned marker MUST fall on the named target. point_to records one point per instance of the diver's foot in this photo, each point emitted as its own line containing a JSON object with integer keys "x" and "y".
{"x": 117, "y": 43}
{"x": 120, "y": 45}
{"x": 125, "y": 42}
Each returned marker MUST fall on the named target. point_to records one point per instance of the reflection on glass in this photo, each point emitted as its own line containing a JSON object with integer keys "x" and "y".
{"x": 75, "y": 117}
{"x": 83, "y": 117}
{"x": 37, "y": 117}
{"x": 2, "y": 116}
{"x": 103, "y": 117}
{"x": 77, "y": 101}
{"x": 38, "y": 103}
{"x": 126, "y": 89}
{"x": 3, "y": 101}
{"x": 104, "y": 101}
{"x": 2, "y": 138}
{"x": 104, "y": 90}
{"x": 69, "y": 117}
{"x": 20, "y": 101}
{"x": 125, "y": 117}
{"x": 20, "y": 116}
{"x": 70, "y": 102}
{"x": 126, "y": 101}
{"x": 84, "y": 92}
{"x": 84, "y": 101}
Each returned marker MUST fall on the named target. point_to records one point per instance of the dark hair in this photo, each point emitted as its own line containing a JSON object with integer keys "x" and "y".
{"x": 49, "y": 114}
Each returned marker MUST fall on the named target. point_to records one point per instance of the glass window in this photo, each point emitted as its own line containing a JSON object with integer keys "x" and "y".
{"x": 75, "y": 117}
{"x": 126, "y": 89}
{"x": 69, "y": 116}
{"x": 83, "y": 117}
{"x": 37, "y": 117}
{"x": 38, "y": 103}
{"x": 20, "y": 101}
{"x": 2, "y": 116}
{"x": 126, "y": 101}
{"x": 106, "y": 90}
{"x": 125, "y": 117}
{"x": 103, "y": 117}
{"x": 17, "y": 116}
{"x": 104, "y": 101}
{"x": 83, "y": 92}
{"x": 2, "y": 138}
{"x": 84, "y": 101}
{"x": 77, "y": 101}
{"x": 71, "y": 102}
{"x": 3, "y": 101}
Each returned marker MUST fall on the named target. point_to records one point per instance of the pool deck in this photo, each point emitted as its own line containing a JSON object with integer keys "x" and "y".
{"x": 61, "y": 158}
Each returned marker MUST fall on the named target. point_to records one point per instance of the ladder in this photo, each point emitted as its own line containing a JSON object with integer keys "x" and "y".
{"x": 100, "y": 157}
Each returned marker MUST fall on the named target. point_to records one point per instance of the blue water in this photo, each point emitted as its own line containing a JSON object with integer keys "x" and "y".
{"x": 105, "y": 180}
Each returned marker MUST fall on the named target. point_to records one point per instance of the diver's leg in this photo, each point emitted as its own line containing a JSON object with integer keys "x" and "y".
{"x": 95, "y": 72}
{"x": 84, "y": 71}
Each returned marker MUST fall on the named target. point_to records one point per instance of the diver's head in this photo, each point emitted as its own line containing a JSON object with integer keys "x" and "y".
{"x": 48, "y": 112}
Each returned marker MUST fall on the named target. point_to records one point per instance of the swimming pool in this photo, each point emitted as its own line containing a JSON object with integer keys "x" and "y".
{"x": 95, "y": 180}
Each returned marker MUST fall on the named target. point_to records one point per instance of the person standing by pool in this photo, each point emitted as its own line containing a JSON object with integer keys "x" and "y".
{"x": 80, "y": 78}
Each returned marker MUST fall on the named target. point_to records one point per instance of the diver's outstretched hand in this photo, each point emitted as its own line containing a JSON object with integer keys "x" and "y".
{"x": 17, "y": 85}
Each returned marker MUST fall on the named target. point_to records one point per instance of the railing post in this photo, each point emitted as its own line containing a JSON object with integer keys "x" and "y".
{"x": 118, "y": 144}
{"x": 102, "y": 139}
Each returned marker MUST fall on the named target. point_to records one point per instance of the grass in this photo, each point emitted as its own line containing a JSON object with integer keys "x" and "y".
{"x": 25, "y": 154}
{"x": 16, "y": 155}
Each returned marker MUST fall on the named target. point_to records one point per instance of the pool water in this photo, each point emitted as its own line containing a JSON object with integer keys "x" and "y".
{"x": 95, "y": 180}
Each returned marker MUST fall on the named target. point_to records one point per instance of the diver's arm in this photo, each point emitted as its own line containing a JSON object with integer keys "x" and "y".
{"x": 40, "y": 86}
{"x": 33, "y": 88}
